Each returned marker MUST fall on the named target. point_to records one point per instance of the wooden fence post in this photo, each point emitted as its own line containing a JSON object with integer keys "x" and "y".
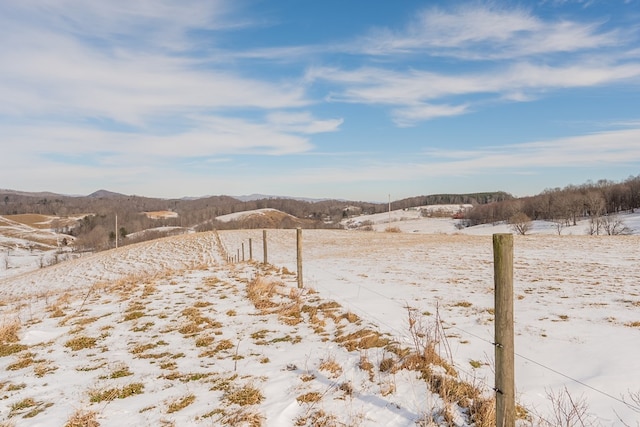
{"x": 242, "y": 251}
{"x": 264, "y": 245}
{"x": 250, "y": 251}
{"x": 299, "y": 257}
{"x": 504, "y": 341}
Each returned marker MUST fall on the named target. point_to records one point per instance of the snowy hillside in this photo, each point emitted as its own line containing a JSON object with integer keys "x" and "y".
{"x": 167, "y": 333}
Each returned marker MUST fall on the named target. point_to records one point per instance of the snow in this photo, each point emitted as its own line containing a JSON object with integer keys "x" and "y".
{"x": 577, "y": 298}
{"x": 238, "y": 216}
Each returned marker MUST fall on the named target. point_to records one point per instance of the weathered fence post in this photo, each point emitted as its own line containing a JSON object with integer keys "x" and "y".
{"x": 299, "y": 257}
{"x": 242, "y": 251}
{"x": 504, "y": 342}
{"x": 264, "y": 245}
{"x": 238, "y": 255}
{"x": 250, "y": 251}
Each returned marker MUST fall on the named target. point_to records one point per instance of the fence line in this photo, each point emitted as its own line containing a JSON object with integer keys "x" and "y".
{"x": 405, "y": 335}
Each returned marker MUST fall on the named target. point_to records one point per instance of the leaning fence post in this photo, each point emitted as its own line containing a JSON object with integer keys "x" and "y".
{"x": 264, "y": 245}
{"x": 299, "y": 257}
{"x": 504, "y": 341}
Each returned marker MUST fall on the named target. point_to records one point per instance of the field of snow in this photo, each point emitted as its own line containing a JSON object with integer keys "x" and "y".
{"x": 163, "y": 332}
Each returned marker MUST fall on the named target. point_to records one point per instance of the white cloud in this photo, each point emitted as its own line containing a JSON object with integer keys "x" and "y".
{"x": 77, "y": 71}
{"x": 414, "y": 91}
{"x": 611, "y": 148}
{"x": 481, "y": 31}
{"x": 302, "y": 122}
{"x": 413, "y": 114}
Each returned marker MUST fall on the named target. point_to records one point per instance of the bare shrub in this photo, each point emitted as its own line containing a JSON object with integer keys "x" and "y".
{"x": 568, "y": 411}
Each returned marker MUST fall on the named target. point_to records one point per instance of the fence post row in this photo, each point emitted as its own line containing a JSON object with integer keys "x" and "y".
{"x": 504, "y": 341}
{"x": 299, "y": 256}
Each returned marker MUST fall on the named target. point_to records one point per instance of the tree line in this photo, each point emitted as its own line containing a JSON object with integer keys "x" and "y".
{"x": 597, "y": 201}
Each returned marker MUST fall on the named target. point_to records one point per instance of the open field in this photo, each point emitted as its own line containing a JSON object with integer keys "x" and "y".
{"x": 167, "y": 333}
{"x": 577, "y": 300}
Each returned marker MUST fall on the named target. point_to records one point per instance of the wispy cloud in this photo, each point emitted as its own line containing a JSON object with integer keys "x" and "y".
{"x": 111, "y": 88}
{"x": 421, "y": 95}
{"x": 482, "y": 31}
{"x": 507, "y": 54}
{"x": 130, "y": 76}
{"x": 598, "y": 149}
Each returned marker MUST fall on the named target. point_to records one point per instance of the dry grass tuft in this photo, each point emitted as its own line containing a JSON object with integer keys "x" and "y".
{"x": 9, "y": 338}
{"x": 260, "y": 291}
{"x": 350, "y": 317}
{"x": 42, "y": 369}
{"x": 9, "y": 332}
{"x": 204, "y": 341}
{"x": 362, "y": 340}
{"x": 330, "y": 365}
{"x": 291, "y": 314}
{"x": 24, "y": 361}
{"x": 317, "y": 419}
{"x": 28, "y": 408}
{"x": 311, "y": 397}
{"x": 365, "y": 364}
{"x": 120, "y": 371}
{"x": 388, "y": 364}
{"x": 80, "y": 343}
{"x": 181, "y": 403}
{"x": 243, "y": 396}
{"x": 21, "y": 405}
{"x": 241, "y": 417}
{"x": 83, "y": 419}
{"x": 96, "y": 396}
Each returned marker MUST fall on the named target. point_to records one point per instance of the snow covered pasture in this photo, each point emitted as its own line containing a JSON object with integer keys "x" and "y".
{"x": 167, "y": 333}
{"x": 576, "y": 309}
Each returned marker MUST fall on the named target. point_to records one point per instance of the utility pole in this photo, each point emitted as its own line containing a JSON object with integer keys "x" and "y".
{"x": 116, "y": 231}
{"x": 389, "y": 226}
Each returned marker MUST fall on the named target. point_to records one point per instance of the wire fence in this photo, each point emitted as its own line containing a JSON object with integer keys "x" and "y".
{"x": 316, "y": 280}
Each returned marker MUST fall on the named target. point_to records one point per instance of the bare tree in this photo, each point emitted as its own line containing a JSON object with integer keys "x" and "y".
{"x": 520, "y": 223}
{"x": 595, "y": 225}
{"x": 614, "y": 226}
{"x": 559, "y": 224}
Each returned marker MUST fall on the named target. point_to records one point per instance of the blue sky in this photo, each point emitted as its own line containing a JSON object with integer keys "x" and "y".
{"x": 342, "y": 99}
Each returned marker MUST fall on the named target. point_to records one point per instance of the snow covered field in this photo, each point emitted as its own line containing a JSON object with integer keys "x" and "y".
{"x": 163, "y": 333}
